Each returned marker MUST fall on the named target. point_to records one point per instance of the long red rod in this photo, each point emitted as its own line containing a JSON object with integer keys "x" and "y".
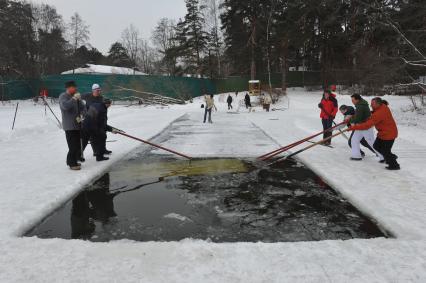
{"x": 155, "y": 145}
{"x": 290, "y": 146}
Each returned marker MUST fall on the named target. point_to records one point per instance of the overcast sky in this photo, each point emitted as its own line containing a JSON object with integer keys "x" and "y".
{"x": 108, "y": 18}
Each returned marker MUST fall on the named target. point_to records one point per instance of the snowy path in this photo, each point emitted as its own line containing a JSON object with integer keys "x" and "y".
{"x": 231, "y": 135}
{"x": 35, "y": 180}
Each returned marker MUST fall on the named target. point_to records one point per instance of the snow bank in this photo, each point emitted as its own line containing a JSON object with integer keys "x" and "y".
{"x": 34, "y": 180}
{"x": 102, "y": 69}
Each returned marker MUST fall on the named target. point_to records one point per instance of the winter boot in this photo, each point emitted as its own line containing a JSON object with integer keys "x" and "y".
{"x": 108, "y": 152}
{"x": 394, "y": 167}
{"x": 100, "y": 158}
{"x": 75, "y": 168}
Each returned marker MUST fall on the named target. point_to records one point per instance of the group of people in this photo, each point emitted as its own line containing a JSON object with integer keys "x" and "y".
{"x": 247, "y": 101}
{"x": 361, "y": 121}
{"x": 84, "y": 119}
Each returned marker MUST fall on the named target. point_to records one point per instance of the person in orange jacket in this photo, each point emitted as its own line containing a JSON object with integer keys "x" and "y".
{"x": 385, "y": 124}
{"x": 329, "y": 108}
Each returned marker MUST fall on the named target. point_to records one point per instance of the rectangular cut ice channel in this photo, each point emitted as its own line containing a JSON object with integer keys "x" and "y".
{"x": 157, "y": 198}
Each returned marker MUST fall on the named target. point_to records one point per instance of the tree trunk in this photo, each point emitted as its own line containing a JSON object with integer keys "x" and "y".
{"x": 284, "y": 68}
{"x": 253, "y": 59}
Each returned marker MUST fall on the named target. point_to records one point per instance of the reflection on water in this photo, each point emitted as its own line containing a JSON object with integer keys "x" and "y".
{"x": 222, "y": 200}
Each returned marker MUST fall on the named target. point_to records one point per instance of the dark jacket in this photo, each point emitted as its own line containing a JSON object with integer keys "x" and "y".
{"x": 362, "y": 112}
{"x": 70, "y": 109}
{"x": 350, "y": 111}
{"x": 96, "y": 118}
{"x": 229, "y": 100}
{"x": 247, "y": 98}
{"x": 90, "y": 99}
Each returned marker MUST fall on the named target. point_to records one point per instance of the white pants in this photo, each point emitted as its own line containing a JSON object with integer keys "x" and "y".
{"x": 368, "y": 135}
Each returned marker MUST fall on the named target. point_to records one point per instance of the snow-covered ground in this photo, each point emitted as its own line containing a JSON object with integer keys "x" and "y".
{"x": 34, "y": 181}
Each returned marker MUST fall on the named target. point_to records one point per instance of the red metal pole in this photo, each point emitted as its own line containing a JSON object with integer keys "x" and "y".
{"x": 290, "y": 146}
{"x": 154, "y": 145}
{"x": 308, "y": 147}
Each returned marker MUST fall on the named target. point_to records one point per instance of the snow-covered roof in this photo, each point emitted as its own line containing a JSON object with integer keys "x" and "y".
{"x": 103, "y": 69}
{"x": 254, "y": 81}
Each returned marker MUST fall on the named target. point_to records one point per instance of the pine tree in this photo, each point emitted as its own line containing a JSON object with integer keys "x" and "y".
{"x": 117, "y": 56}
{"x": 193, "y": 38}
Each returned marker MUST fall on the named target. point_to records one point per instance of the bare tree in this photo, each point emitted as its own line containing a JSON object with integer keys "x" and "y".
{"x": 46, "y": 18}
{"x": 212, "y": 23}
{"x": 78, "y": 31}
{"x": 130, "y": 38}
{"x": 164, "y": 34}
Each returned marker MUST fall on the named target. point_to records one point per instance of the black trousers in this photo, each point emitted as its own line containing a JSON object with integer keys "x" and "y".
{"x": 364, "y": 143}
{"x": 86, "y": 137}
{"x": 74, "y": 147}
{"x": 385, "y": 149}
{"x": 209, "y": 112}
{"x": 327, "y": 124}
{"x": 229, "y": 106}
{"x": 97, "y": 141}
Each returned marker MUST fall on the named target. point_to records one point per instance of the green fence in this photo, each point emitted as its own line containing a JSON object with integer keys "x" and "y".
{"x": 294, "y": 79}
{"x": 177, "y": 87}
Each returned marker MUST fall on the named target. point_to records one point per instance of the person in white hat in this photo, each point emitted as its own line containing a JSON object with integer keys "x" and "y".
{"x": 91, "y": 98}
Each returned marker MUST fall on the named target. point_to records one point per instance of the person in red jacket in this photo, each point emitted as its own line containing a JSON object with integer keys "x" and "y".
{"x": 385, "y": 124}
{"x": 329, "y": 108}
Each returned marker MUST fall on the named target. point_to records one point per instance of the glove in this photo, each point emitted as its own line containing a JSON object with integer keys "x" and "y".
{"x": 77, "y": 96}
{"x": 79, "y": 119}
{"x": 117, "y": 131}
{"x": 320, "y": 105}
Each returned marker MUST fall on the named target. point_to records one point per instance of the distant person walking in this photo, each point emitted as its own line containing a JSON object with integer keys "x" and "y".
{"x": 329, "y": 108}
{"x": 229, "y": 101}
{"x": 385, "y": 124}
{"x": 72, "y": 110}
{"x": 247, "y": 100}
{"x": 209, "y": 107}
{"x": 267, "y": 101}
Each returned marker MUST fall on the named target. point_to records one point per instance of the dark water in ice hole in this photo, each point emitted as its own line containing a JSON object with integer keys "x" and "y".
{"x": 155, "y": 198}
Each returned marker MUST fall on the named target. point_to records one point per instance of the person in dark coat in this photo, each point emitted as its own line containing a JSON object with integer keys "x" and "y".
{"x": 95, "y": 126}
{"x": 72, "y": 110}
{"x": 229, "y": 101}
{"x": 93, "y": 97}
{"x": 329, "y": 108}
{"x": 89, "y": 98}
{"x": 247, "y": 101}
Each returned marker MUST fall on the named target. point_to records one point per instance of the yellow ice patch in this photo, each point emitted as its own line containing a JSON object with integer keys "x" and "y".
{"x": 181, "y": 168}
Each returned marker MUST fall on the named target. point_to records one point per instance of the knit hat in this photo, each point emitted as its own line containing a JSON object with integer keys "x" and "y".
{"x": 96, "y": 87}
{"x": 70, "y": 84}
